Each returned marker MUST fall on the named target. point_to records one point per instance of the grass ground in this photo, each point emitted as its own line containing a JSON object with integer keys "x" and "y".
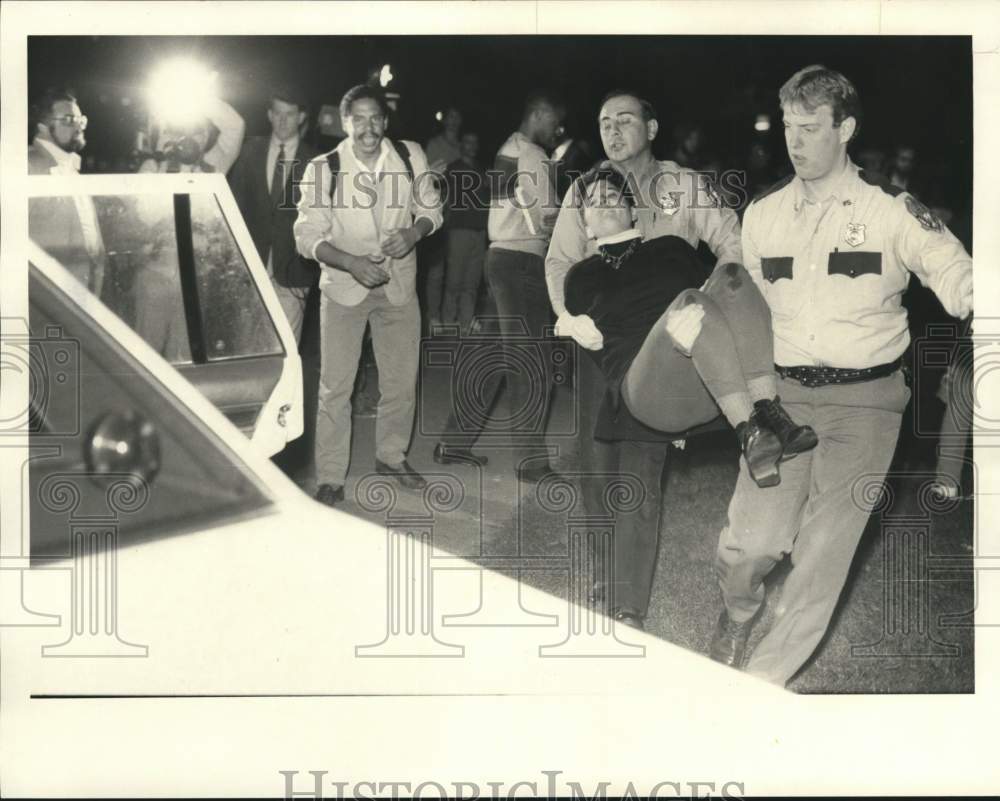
{"x": 903, "y": 624}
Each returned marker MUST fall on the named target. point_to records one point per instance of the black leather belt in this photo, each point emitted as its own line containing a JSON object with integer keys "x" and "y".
{"x": 813, "y": 377}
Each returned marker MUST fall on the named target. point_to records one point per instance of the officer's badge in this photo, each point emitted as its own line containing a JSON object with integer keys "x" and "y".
{"x": 855, "y": 234}
{"x": 670, "y": 202}
{"x": 928, "y": 220}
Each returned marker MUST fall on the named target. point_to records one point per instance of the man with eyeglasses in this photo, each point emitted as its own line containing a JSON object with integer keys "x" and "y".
{"x": 363, "y": 207}
{"x": 65, "y": 227}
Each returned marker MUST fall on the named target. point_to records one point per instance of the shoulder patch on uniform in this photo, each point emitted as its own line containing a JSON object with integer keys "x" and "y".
{"x": 928, "y": 220}
{"x": 778, "y": 185}
{"x": 879, "y": 180}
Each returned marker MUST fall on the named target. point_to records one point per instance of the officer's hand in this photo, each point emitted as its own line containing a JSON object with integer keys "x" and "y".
{"x": 399, "y": 242}
{"x": 581, "y": 328}
{"x": 684, "y": 325}
{"x": 366, "y": 272}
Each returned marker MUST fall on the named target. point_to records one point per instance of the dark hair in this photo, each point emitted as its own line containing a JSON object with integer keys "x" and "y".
{"x": 363, "y": 91}
{"x": 603, "y": 171}
{"x": 815, "y": 86}
{"x": 542, "y": 97}
{"x": 290, "y": 94}
{"x": 648, "y": 109}
{"x": 41, "y": 106}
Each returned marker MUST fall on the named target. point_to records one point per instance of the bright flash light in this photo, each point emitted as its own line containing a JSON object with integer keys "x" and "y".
{"x": 385, "y": 76}
{"x": 439, "y": 116}
{"x": 763, "y": 123}
{"x": 180, "y": 92}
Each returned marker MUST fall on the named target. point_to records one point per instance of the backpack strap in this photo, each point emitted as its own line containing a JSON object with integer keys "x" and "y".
{"x": 404, "y": 154}
{"x": 333, "y": 162}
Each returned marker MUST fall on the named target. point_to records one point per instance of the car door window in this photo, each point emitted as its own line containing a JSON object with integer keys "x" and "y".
{"x": 141, "y": 270}
{"x": 235, "y": 321}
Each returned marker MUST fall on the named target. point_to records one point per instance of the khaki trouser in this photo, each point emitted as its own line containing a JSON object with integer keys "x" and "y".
{"x": 817, "y": 514}
{"x": 396, "y": 342}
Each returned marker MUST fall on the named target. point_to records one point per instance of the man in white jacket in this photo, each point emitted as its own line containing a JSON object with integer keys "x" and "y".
{"x": 361, "y": 226}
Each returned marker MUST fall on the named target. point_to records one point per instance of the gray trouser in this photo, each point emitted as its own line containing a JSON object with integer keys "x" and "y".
{"x": 817, "y": 514}
{"x": 463, "y": 274}
{"x": 293, "y": 304}
{"x": 396, "y": 343}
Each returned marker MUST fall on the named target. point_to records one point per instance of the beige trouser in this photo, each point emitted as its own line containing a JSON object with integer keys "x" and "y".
{"x": 396, "y": 342}
{"x": 817, "y": 514}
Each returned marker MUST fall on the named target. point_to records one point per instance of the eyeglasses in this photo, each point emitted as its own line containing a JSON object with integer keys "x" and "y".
{"x": 72, "y": 119}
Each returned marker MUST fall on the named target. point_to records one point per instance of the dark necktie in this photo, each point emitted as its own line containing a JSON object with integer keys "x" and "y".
{"x": 278, "y": 179}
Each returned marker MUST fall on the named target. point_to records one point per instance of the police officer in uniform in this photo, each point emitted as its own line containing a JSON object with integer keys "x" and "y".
{"x": 667, "y": 200}
{"x": 831, "y": 249}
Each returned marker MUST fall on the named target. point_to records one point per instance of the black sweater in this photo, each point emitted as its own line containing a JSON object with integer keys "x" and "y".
{"x": 625, "y": 300}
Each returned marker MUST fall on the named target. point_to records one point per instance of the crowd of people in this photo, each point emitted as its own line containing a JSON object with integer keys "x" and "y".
{"x": 794, "y": 334}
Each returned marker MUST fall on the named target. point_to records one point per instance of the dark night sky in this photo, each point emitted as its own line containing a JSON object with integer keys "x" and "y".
{"x": 913, "y": 89}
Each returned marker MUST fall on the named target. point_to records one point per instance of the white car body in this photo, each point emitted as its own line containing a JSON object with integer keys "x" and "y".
{"x": 281, "y": 418}
{"x": 194, "y": 646}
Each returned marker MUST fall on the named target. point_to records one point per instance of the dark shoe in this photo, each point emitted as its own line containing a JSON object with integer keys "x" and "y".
{"x": 762, "y": 450}
{"x": 630, "y": 618}
{"x": 449, "y": 454}
{"x": 403, "y": 473}
{"x": 532, "y": 475}
{"x": 330, "y": 494}
{"x": 794, "y": 438}
{"x": 729, "y": 643}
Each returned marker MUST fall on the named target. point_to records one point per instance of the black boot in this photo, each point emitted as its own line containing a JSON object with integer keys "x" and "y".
{"x": 794, "y": 438}
{"x": 729, "y": 642}
{"x": 762, "y": 450}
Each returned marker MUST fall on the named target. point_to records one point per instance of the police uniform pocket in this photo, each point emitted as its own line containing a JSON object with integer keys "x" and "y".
{"x": 854, "y": 263}
{"x": 776, "y": 267}
{"x": 783, "y": 296}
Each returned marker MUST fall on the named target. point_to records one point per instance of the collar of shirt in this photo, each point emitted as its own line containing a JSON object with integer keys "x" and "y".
{"x": 347, "y": 148}
{"x": 844, "y": 189}
{"x": 621, "y": 236}
{"x": 291, "y": 145}
{"x": 642, "y": 176}
{"x": 64, "y": 161}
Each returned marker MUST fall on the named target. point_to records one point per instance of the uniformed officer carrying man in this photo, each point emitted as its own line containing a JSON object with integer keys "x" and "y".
{"x": 832, "y": 249}
{"x": 668, "y": 200}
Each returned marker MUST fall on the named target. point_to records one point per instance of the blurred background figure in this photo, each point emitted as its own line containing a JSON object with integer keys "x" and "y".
{"x": 572, "y": 158}
{"x": 466, "y": 216}
{"x": 445, "y": 147}
{"x": 689, "y": 143}
{"x": 190, "y": 129}
{"x": 901, "y": 169}
{"x": 66, "y": 228}
{"x": 442, "y": 150}
{"x": 761, "y": 171}
{"x": 871, "y": 159}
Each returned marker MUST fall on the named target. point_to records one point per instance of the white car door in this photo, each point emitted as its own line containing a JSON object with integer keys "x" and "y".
{"x": 172, "y": 257}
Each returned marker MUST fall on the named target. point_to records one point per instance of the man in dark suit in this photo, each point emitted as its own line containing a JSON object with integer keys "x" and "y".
{"x": 265, "y": 181}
